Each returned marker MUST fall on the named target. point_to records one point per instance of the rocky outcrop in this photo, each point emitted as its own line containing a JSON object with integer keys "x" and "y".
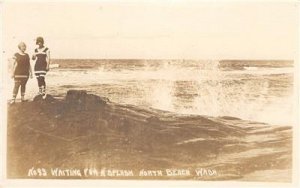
{"x": 85, "y": 130}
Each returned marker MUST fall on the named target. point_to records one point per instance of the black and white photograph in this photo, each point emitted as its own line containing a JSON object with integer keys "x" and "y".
{"x": 197, "y": 91}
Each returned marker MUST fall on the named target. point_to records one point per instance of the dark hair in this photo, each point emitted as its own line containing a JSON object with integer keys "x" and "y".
{"x": 39, "y": 39}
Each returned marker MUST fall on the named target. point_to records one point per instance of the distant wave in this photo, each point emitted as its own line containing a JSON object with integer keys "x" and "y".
{"x": 266, "y": 71}
{"x": 251, "y": 68}
{"x": 54, "y": 65}
{"x": 172, "y": 74}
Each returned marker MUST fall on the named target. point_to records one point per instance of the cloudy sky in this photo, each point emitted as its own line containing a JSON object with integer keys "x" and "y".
{"x": 173, "y": 29}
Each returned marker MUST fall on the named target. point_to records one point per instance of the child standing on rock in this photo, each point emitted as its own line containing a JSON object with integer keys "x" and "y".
{"x": 21, "y": 71}
{"x": 42, "y": 57}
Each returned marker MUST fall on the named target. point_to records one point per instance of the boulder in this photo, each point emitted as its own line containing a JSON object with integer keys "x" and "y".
{"x": 79, "y": 100}
{"x": 39, "y": 98}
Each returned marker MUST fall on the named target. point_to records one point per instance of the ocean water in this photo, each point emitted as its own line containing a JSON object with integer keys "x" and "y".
{"x": 252, "y": 90}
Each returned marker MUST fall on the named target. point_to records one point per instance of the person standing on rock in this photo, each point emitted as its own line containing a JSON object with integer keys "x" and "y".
{"x": 21, "y": 72}
{"x": 42, "y": 57}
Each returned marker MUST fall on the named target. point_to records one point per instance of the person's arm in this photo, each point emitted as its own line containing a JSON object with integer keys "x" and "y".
{"x": 33, "y": 56}
{"x": 14, "y": 68}
{"x": 48, "y": 60}
{"x": 30, "y": 71}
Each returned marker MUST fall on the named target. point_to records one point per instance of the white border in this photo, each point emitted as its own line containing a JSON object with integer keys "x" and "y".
{"x": 138, "y": 183}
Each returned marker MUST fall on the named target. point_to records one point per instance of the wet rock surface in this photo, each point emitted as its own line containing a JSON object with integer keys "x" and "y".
{"x": 86, "y": 130}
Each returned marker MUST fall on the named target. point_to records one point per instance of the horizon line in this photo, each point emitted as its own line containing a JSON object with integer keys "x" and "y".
{"x": 193, "y": 59}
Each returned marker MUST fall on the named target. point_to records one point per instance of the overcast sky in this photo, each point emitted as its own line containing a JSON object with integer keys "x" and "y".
{"x": 194, "y": 30}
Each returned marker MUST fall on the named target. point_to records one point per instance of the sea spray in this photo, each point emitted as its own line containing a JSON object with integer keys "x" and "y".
{"x": 263, "y": 93}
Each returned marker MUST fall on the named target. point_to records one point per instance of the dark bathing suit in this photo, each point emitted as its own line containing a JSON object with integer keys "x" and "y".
{"x": 21, "y": 73}
{"x": 40, "y": 68}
